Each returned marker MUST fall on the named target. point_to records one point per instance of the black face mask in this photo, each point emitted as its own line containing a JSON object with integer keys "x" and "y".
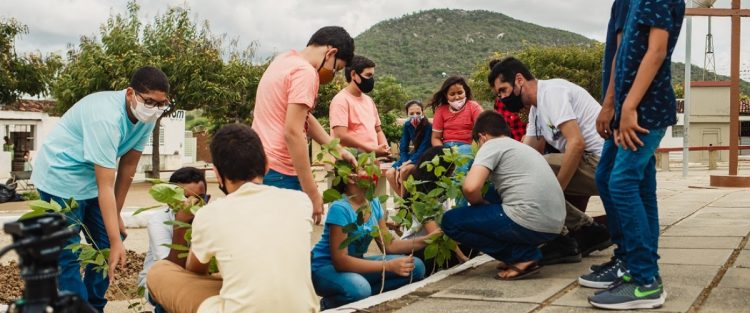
{"x": 513, "y": 102}
{"x": 223, "y": 186}
{"x": 366, "y": 84}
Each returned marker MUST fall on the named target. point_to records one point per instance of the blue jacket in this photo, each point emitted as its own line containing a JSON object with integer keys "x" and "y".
{"x": 407, "y": 137}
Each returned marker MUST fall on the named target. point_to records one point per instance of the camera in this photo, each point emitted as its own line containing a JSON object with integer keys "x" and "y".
{"x": 38, "y": 241}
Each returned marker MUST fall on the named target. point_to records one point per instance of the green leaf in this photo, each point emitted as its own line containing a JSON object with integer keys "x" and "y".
{"x": 71, "y": 204}
{"x": 167, "y": 193}
{"x": 32, "y": 214}
{"x": 141, "y": 210}
{"x": 430, "y": 251}
{"x": 179, "y": 224}
{"x": 349, "y": 228}
{"x": 331, "y": 195}
{"x": 73, "y": 247}
{"x": 344, "y": 244}
{"x": 436, "y": 160}
{"x": 40, "y": 205}
{"x": 176, "y": 247}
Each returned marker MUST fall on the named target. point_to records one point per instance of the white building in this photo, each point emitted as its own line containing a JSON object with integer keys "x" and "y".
{"x": 26, "y": 126}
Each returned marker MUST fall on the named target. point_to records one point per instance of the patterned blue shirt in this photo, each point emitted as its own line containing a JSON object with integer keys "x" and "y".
{"x": 657, "y": 109}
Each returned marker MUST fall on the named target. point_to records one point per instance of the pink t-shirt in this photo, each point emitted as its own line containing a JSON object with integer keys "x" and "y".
{"x": 288, "y": 79}
{"x": 456, "y": 126}
{"x": 358, "y": 114}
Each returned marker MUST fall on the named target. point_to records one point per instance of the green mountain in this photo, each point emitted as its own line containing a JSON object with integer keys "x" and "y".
{"x": 696, "y": 73}
{"x": 418, "y": 48}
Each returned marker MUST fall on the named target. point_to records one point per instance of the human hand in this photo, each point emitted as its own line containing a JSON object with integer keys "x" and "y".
{"x": 317, "y": 202}
{"x": 604, "y": 120}
{"x": 116, "y": 258}
{"x": 383, "y": 150}
{"x": 627, "y": 133}
{"x": 401, "y": 266}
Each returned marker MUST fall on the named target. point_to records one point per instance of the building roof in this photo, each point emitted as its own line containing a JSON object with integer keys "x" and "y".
{"x": 744, "y": 107}
{"x": 30, "y": 105}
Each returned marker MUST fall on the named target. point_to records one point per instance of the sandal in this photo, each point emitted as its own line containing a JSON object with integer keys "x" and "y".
{"x": 532, "y": 269}
{"x": 501, "y": 266}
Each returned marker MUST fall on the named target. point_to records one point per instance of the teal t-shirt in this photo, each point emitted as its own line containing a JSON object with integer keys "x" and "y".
{"x": 96, "y": 130}
{"x": 341, "y": 213}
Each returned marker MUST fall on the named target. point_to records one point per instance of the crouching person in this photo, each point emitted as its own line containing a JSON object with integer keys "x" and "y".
{"x": 343, "y": 276}
{"x": 532, "y": 210}
{"x": 259, "y": 235}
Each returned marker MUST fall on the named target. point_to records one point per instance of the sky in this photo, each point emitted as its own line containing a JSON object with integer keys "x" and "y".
{"x": 280, "y": 25}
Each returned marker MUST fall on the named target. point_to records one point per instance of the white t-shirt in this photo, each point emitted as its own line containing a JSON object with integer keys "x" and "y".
{"x": 159, "y": 234}
{"x": 260, "y": 236}
{"x": 559, "y": 101}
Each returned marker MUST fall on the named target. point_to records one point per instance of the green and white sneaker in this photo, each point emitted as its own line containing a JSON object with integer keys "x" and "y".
{"x": 629, "y": 295}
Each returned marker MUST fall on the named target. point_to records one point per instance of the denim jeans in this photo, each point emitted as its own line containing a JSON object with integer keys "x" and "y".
{"x": 603, "y": 174}
{"x": 632, "y": 192}
{"x": 276, "y": 179}
{"x": 94, "y": 285}
{"x": 488, "y": 229}
{"x": 339, "y": 288}
{"x": 465, "y": 149}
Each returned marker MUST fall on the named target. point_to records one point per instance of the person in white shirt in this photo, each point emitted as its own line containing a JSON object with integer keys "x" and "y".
{"x": 259, "y": 236}
{"x": 562, "y": 115}
{"x": 161, "y": 234}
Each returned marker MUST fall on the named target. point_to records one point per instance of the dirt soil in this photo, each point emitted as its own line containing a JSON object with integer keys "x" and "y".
{"x": 124, "y": 288}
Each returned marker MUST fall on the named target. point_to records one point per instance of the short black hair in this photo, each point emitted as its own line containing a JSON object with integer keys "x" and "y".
{"x": 337, "y": 37}
{"x": 237, "y": 153}
{"x": 188, "y": 175}
{"x": 149, "y": 78}
{"x": 491, "y": 123}
{"x": 358, "y": 64}
{"x": 441, "y": 96}
{"x": 506, "y": 70}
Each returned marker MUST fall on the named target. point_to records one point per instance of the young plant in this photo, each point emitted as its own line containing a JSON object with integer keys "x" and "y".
{"x": 423, "y": 205}
{"x": 365, "y": 174}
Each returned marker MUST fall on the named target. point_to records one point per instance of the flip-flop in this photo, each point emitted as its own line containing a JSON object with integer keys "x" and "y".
{"x": 532, "y": 269}
{"x": 501, "y": 266}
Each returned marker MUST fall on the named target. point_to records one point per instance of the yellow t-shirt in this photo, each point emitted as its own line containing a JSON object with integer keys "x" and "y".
{"x": 260, "y": 236}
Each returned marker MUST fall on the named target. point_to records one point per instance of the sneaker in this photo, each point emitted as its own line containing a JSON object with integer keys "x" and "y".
{"x": 629, "y": 295}
{"x": 599, "y": 267}
{"x": 605, "y": 277}
{"x": 563, "y": 249}
{"x": 592, "y": 237}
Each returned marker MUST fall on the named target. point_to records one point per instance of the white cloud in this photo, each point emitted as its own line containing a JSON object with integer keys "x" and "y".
{"x": 279, "y": 25}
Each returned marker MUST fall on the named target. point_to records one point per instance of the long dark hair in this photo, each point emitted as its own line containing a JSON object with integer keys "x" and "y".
{"x": 420, "y": 129}
{"x": 441, "y": 96}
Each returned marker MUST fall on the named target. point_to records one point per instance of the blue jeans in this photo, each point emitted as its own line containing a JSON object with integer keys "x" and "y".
{"x": 157, "y": 307}
{"x": 276, "y": 179}
{"x": 94, "y": 285}
{"x": 632, "y": 191}
{"x": 339, "y": 288}
{"x": 603, "y": 175}
{"x": 488, "y": 229}
{"x": 465, "y": 149}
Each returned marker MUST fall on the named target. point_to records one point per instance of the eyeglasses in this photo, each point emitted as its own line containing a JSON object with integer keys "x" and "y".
{"x": 151, "y": 103}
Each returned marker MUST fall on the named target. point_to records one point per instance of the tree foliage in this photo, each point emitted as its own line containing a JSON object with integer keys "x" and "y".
{"x": 580, "y": 65}
{"x": 26, "y": 74}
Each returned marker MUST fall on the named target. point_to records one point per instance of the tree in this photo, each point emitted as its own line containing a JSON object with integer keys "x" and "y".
{"x": 581, "y": 65}
{"x": 389, "y": 95}
{"x": 188, "y": 53}
{"x": 28, "y": 74}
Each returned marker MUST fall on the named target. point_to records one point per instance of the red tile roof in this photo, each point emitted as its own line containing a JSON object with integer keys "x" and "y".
{"x": 744, "y": 107}
{"x": 28, "y": 105}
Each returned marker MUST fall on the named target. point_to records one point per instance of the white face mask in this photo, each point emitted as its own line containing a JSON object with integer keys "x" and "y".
{"x": 144, "y": 114}
{"x": 458, "y": 104}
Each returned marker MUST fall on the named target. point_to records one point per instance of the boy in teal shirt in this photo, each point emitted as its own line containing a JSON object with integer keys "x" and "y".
{"x": 79, "y": 159}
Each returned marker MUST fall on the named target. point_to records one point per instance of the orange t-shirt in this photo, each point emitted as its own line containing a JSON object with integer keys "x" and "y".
{"x": 288, "y": 79}
{"x": 358, "y": 114}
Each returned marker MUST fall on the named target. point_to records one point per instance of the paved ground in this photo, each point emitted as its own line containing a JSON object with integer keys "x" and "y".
{"x": 705, "y": 260}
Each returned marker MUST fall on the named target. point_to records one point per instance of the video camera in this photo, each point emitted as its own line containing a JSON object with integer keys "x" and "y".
{"x": 39, "y": 242}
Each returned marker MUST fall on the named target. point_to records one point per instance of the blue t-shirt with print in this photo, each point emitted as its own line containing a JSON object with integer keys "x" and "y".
{"x": 657, "y": 109}
{"x": 95, "y": 131}
{"x": 616, "y": 24}
{"x": 341, "y": 213}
